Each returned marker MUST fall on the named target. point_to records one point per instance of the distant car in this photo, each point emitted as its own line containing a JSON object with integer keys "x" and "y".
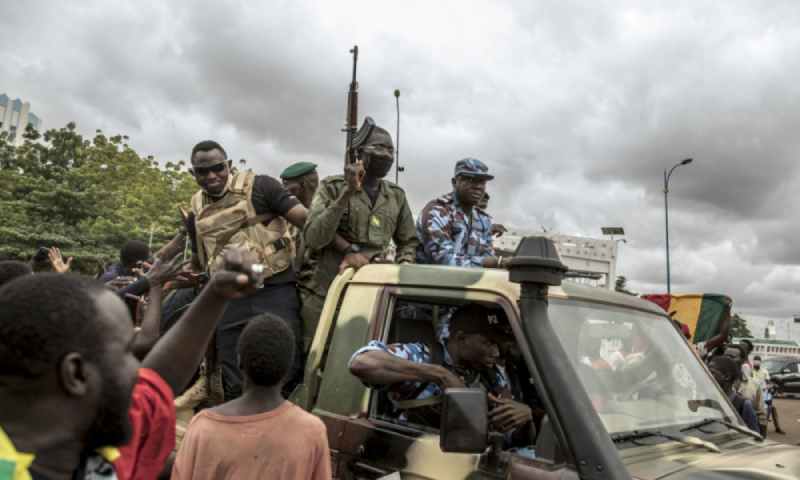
{"x": 784, "y": 372}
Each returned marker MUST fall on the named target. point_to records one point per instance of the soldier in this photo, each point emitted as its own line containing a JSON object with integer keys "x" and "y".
{"x": 366, "y": 219}
{"x": 452, "y": 229}
{"x": 301, "y": 180}
{"x": 251, "y": 211}
{"x": 415, "y": 375}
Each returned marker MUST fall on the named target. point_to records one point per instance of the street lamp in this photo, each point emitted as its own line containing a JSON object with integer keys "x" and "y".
{"x": 666, "y": 212}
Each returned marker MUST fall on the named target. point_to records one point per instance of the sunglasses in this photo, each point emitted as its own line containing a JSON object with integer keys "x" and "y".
{"x": 203, "y": 171}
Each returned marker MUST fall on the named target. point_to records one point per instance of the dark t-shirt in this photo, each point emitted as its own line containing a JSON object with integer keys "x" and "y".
{"x": 270, "y": 196}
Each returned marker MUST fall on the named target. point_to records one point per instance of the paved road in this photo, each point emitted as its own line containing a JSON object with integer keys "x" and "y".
{"x": 788, "y": 414}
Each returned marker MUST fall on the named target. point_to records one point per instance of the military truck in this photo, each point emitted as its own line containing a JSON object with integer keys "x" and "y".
{"x": 624, "y": 394}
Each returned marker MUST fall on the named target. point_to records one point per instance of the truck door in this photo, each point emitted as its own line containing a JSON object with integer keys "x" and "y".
{"x": 383, "y": 440}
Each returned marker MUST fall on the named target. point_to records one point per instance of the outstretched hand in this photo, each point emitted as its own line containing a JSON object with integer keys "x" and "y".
{"x": 162, "y": 272}
{"x": 239, "y": 276}
{"x": 57, "y": 261}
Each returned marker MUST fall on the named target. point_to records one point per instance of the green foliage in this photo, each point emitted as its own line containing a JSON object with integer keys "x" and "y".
{"x": 739, "y": 327}
{"x": 86, "y": 197}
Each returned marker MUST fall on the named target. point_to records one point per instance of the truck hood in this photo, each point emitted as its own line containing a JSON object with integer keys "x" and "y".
{"x": 768, "y": 461}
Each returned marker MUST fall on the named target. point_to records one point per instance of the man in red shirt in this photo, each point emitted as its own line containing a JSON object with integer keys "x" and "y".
{"x": 74, "y": 401}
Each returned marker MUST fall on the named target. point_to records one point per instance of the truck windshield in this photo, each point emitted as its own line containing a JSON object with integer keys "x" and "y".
{"x": 637, "y": 370}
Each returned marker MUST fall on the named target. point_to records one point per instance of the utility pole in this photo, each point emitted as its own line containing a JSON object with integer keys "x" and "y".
{"x": 397, "y": 167}
{"x": 666, "y": 213}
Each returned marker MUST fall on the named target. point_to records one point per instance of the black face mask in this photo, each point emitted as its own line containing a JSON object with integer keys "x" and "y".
{"x": 757, "y": 367}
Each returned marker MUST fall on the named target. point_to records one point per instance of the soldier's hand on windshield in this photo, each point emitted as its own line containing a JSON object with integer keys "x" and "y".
{"x": 353, "y": 259}
{"x": 238, "y": 278}
{"x": 354, "y": 175}
{"x": 57, "y": 261}
{"x": 508, "y": 415}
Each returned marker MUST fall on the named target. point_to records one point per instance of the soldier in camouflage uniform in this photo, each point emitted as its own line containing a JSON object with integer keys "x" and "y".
{"x": 366, "y": 220}
{"x": 414, "y": 375}
{"x": 452, "y": 229}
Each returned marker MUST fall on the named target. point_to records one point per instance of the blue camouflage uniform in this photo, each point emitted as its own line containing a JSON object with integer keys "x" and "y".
{"x": 450, "y": 236}
{"x": 493, "y": 381}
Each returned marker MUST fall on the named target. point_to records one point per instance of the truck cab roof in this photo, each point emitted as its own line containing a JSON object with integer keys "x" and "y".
{"x": 488, "y": 280}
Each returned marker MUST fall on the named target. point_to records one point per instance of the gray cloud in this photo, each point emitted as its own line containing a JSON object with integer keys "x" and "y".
{"x": 578, "y": 108}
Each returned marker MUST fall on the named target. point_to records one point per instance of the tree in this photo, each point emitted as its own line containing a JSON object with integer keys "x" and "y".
{"x": 86, "y": 197}
{"x": 739, "y": 327}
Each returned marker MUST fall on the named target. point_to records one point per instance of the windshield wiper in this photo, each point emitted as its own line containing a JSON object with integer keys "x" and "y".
{"x": 685, "y": 439}
{"x": 732, "y": 426}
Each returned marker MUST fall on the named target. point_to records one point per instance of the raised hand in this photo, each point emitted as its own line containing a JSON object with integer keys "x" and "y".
{"x": 162, "y": 272}
{"x": 240, "y": 276}
{"x": 57, "y": 261}
{"x": 354, "y": 175}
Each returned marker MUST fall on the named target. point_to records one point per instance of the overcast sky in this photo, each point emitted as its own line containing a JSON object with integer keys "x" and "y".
{"x": 577, "y": 107}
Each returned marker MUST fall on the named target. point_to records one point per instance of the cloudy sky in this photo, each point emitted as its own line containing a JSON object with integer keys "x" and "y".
{"x": 577, "y": 107}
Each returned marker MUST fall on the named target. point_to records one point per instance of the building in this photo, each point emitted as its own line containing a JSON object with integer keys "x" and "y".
{"x": 590, "y": 261}
{"x": 15, "y": 115}
{"x": 772, "y": 347}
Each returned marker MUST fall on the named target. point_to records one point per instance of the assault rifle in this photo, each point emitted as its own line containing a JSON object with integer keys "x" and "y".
{"x": 351, "y": 120}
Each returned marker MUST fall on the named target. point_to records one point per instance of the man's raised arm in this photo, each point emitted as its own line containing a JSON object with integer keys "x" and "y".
{"x": 176, "y": 356}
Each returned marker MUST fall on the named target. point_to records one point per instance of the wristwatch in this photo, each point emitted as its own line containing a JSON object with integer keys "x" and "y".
{"x": 353, "y": 248}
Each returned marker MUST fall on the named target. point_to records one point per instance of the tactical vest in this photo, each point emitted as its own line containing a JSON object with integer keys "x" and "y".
{"x": 231, "y": 221}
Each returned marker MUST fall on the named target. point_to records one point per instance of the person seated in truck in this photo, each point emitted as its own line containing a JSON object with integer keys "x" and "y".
{"x": 414, "y": 375}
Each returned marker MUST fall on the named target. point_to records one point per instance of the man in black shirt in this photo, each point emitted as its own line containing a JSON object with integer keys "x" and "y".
{"x": 251, "y": 211}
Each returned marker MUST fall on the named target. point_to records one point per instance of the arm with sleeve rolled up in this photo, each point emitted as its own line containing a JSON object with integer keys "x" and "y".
{"x": 405, "y": 235}
{"x": 178, "y": 353}
{"x": 377, "y": 367}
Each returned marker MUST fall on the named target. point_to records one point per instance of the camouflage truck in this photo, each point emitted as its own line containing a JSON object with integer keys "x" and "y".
{"x": 624, "y": 394}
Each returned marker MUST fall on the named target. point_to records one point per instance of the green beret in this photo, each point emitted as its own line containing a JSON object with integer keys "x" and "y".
{"x": 298, "y": 170}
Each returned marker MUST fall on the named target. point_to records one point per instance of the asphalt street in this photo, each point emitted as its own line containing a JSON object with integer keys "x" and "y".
{"x": 788, "y": 416}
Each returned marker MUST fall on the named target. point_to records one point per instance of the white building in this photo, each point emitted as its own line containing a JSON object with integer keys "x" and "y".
{"x": 591, "y": 261}
{"x": 15, "y": 115}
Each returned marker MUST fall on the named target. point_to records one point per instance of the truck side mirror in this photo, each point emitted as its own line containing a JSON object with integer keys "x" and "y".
{"x": 465, "y": 421}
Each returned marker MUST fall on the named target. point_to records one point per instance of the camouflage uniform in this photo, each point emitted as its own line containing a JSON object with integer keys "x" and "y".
{"x": 450, "y": 236}
{"x": 494, "y": 381}
{"x": 370, "y": 227}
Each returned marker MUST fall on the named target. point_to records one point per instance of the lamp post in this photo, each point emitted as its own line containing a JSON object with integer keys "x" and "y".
{"x": 666, "y": 212}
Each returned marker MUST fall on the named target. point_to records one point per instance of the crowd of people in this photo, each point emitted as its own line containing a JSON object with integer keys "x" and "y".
{"x": 747, "y": 385}
{"x": 134, "y": 353}
{"x": 180, "y": 359}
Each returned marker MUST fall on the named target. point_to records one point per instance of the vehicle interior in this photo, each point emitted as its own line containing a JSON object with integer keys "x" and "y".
{"x": 415, "y": 320}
